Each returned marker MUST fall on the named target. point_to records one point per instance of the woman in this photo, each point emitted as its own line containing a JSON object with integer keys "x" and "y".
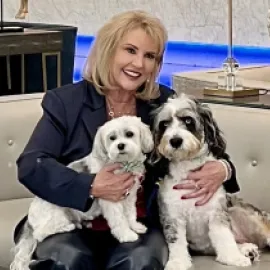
{"x": 119, "y": 79}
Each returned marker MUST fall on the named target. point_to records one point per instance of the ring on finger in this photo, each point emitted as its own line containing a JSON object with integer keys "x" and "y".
{"x": 127, "y": 193}
{"x": 197, "y": 187}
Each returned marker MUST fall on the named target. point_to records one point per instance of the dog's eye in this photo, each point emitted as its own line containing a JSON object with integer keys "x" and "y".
{"x": 165, "y": 123}
{"x": 188, "y": 120}
{"x": 112, "y": 137}
{"x": 129, "y": 134}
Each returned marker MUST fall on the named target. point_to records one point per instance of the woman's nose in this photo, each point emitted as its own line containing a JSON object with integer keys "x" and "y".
{"x": 138, "y": 61}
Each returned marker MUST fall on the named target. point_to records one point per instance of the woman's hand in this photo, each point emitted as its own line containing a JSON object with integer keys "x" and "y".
{"x": 110, "y": 186}
{"x": 204, "y": 182}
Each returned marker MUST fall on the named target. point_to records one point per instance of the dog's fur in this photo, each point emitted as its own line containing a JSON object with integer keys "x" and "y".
{"x": 45, "y": 219}
{"x": 186, "y": 137}
{"x": 248, "y": 223}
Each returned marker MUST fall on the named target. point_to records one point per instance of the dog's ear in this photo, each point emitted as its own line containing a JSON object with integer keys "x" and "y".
{"x": 147, "y": 141}
{"x": 155, "y": 155}
{"x": 213, "y": 135}
{"x": 98, "y": 150}
{"x": 158, "y": 165}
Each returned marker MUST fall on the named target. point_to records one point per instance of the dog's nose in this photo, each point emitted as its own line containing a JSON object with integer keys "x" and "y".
{"x": 176, "y": 142}
{"x": 121, "y": 146}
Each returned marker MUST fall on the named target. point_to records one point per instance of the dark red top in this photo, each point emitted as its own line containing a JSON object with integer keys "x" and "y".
{"x": 100, "y": 224}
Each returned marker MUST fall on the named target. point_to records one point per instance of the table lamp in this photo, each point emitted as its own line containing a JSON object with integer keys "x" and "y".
{"x": 229, "y": 83}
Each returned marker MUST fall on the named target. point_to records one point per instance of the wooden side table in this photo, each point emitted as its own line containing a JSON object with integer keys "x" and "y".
{"x": 32, "y": 41}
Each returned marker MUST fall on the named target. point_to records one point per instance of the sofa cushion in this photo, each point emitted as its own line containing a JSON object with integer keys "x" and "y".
{"x": 246, "y": 131}
{"x": 209, "y": 263}
{"x": 18, "y": 117}
{"x": 11, "y": 212}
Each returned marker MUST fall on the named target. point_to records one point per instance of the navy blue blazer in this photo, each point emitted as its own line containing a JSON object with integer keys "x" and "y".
{"x": 65, "y": 132}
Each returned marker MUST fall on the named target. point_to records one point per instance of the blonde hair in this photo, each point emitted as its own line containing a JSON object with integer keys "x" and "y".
{"x": 97, "y": 68}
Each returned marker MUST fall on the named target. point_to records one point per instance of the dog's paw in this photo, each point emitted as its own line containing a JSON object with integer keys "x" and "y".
{"x": 178, "y": 264}
{"x": 79, "y": 225}
{"x": 68, "y": 227}
{"x": 250, "y": 250}
{"x": 128, "y": 236}
{"x": 234, "y": 260}
{"x": 138, "y": 227}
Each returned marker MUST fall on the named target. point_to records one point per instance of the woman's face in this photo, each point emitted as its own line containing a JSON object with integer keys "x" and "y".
{"x": 134, "y": 61}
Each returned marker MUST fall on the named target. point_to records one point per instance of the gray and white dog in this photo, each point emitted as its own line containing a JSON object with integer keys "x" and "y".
{"x": 124, "y": 140}
{"x": 186, "y": 137}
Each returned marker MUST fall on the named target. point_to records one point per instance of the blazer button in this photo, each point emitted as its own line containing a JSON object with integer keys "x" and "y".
{"x": 254, "y": 163}
{"x": 38, "y": 160}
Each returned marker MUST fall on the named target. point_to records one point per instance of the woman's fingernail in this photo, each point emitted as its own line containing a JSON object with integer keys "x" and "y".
{"x": 183, "y": 197}
{"x": 174, "y": 187}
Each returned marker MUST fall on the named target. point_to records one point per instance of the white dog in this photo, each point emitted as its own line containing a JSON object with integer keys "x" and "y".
{"x": 186, "y": 137}
{"x": 122, "y": 140}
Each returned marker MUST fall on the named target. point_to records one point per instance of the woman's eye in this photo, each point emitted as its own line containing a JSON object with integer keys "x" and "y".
{"x": 129, "y": 134}
{"x": 112, "y": 137}
{"x": 150, "y": 56}
{"x": 131, "y": 50}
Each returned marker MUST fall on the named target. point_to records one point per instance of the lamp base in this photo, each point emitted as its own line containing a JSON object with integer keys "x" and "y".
{"x": 11, "y": 29}
{"x": 231, "y": 94}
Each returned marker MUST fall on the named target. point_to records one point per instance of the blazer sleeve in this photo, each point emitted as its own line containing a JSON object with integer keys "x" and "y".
{"x": 231, "y": 185}
{"x": 39, "y": 168}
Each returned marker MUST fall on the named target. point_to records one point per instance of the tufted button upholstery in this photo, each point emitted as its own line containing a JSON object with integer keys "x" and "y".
{"x": 10, "y": 142}
{"x": 18, "y": 116}
{"x": 247, "y": 134}
{"x": 254, "y": 163}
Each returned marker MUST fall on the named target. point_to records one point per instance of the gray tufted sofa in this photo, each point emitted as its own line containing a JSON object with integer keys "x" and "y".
{"x": 247, "y": 131}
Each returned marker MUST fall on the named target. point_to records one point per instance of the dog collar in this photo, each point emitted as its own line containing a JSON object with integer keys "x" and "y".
{"x": 132, "y": 166}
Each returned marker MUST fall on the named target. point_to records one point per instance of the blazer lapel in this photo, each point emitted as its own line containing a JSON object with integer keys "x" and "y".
{"x": 143, "y": 111}
{"x": 93, "y": 120}
{"x": 94, "y": 111}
